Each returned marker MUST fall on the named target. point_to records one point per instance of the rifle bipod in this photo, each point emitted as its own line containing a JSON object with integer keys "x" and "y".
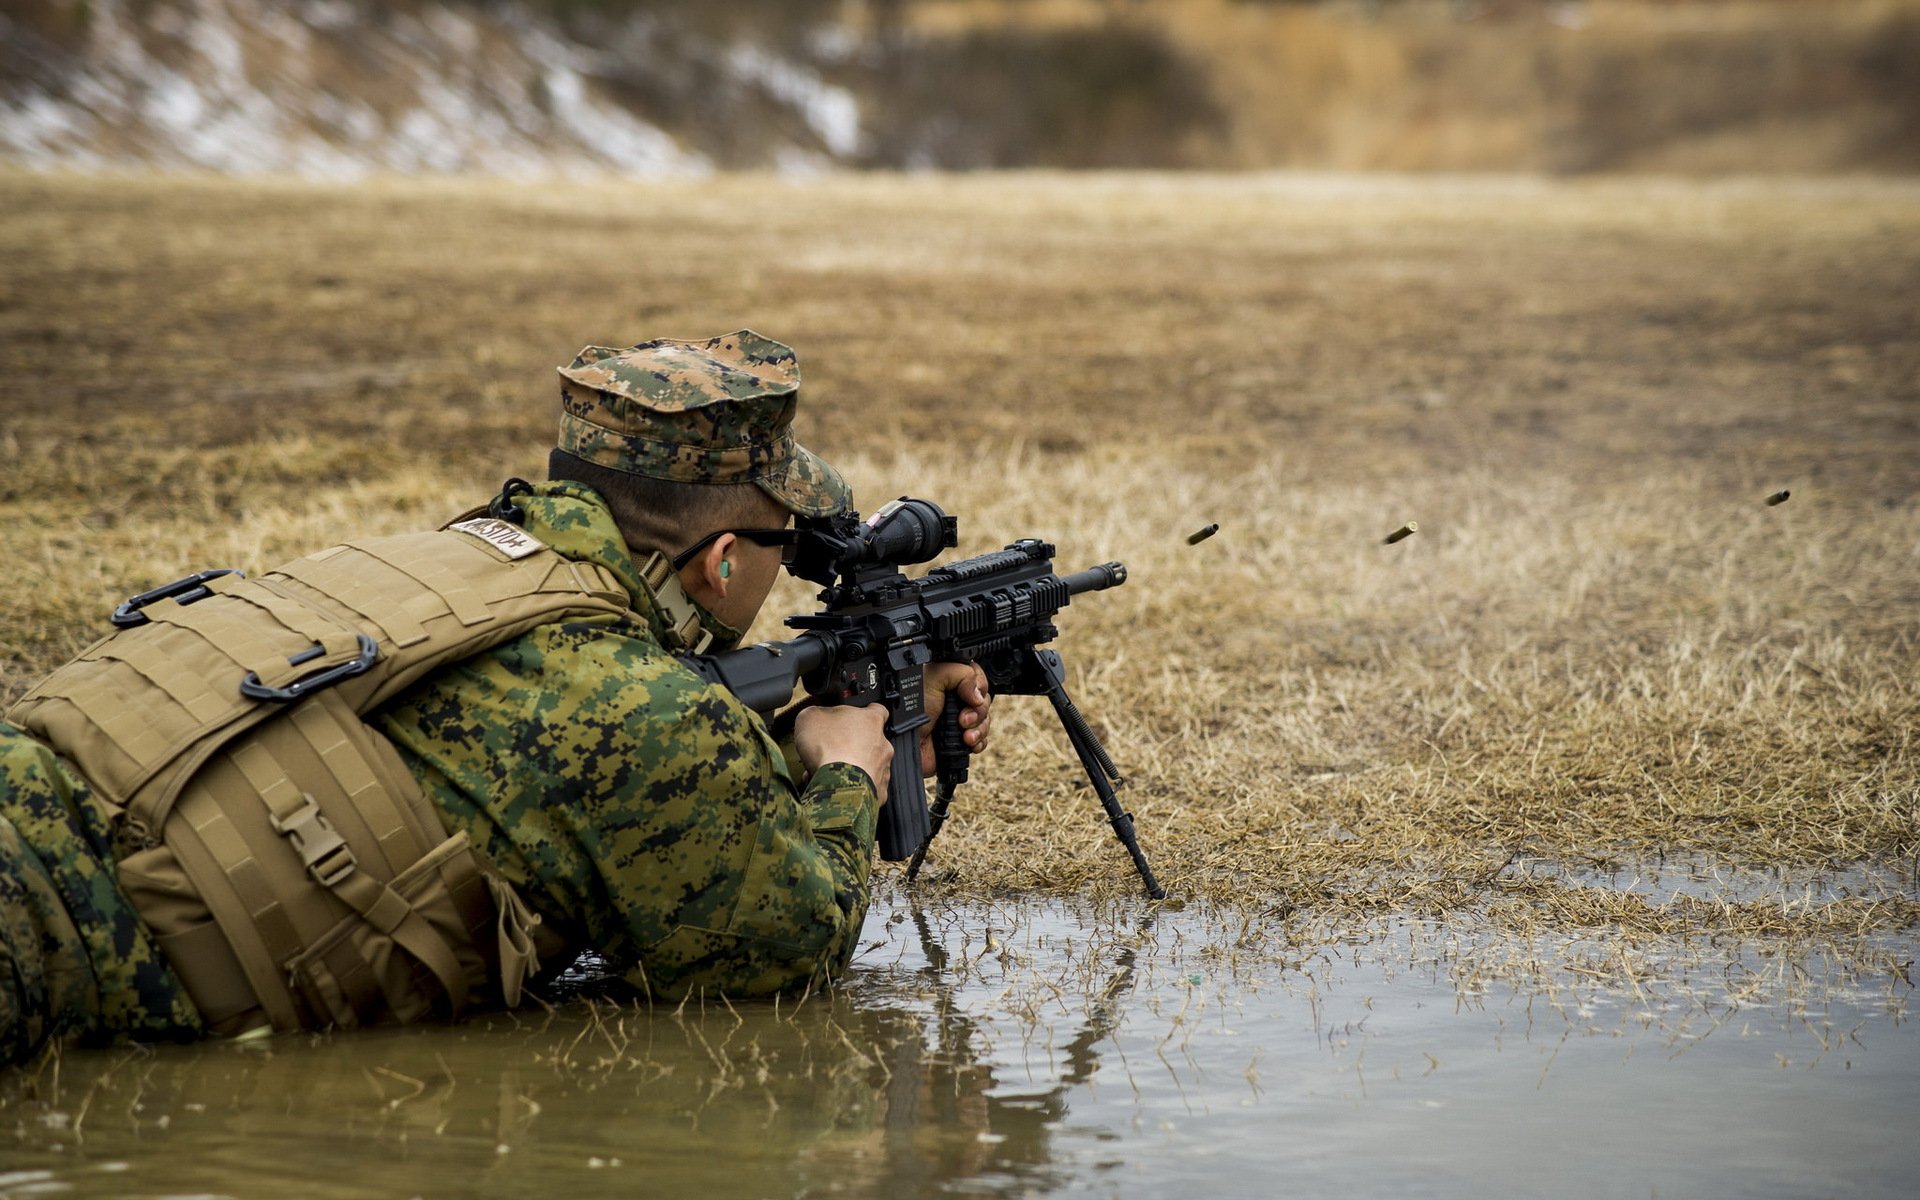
{"x": 1033, "y": 672}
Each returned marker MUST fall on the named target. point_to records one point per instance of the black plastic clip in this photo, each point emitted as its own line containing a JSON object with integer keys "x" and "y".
{"x": 503, "y": 508}
{"x": 181, "y": 591}
{"x": 252, "y": 687}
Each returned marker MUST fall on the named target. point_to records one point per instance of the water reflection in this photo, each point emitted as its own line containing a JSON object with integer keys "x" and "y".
{"x": 892, "y": 1085}
{"x": 1043, "y": 1048}
{"x": 949, "y": 1114}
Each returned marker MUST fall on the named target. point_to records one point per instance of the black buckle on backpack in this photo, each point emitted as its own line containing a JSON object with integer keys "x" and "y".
{"x": 180, "y": 591}
{"x": 307, "y": 685}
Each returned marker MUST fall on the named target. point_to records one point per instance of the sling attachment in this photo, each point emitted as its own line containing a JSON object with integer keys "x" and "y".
{"x": 325, "y": 853}
{"x": 180, "y": 591}
{"x": 306, "y": 685}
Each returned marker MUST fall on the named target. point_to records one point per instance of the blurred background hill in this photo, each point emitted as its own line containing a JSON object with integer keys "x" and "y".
{"x": 345, "y": 88}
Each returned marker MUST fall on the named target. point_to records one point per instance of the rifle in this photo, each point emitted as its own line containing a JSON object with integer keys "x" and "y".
{"x": 878, "y": 630}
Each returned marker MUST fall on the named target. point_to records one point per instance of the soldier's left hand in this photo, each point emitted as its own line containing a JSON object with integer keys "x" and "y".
{"x": 968, "y": 683}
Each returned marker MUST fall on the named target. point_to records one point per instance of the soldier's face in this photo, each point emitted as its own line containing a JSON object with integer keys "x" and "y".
{"x": 750, "y": 568}
{"x": 756, "y": 569}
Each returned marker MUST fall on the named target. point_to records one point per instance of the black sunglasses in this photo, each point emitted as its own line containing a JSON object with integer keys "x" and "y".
{"x": 787, "y": 539}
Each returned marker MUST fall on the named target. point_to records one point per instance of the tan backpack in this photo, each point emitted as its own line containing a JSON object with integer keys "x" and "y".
{"x": 272, "y": 841}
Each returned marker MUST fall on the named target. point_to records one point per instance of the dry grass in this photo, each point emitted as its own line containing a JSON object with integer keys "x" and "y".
{"x": 1601, "y": 648}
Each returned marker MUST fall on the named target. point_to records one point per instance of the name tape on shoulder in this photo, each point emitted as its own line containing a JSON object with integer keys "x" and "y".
{"x": 509, "y": 539}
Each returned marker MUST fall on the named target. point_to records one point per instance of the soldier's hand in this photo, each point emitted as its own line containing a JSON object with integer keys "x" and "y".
{"x": 966, "y": 683}
{"x": 831, "y": 733}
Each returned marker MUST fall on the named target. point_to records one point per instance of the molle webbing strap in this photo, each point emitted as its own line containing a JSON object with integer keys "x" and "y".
{"x": 128, "y": 736}
{"x": 211, "y": 853}
{"x": 319, "y": 628}
{"x": 337, "y": 575}
{"x": 436, "y": 577}
{"x": 313, "y": 625}
{"x": 153, "y": 662}
{"x": 249, "y": 646}
{"x": 101, "y": 695}
{"x": 266, "y": 650}
{"x": 344, "y": 748}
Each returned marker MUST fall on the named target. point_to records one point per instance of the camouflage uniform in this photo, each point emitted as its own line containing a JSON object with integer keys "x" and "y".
{"x": 74, "y": 959}
{"x": 644, "y": 813}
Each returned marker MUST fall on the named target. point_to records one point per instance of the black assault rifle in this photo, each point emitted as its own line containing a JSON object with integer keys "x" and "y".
{"x": 872, "y": 641}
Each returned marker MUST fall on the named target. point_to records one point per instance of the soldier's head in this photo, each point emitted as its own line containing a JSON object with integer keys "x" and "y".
{"x": 691, "y": 445}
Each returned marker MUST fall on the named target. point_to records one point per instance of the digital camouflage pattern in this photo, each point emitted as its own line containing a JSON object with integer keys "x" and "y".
{"x": 712, "y": 411}
{"x": 642, "y": 812}
{"x": 75, "y": 961}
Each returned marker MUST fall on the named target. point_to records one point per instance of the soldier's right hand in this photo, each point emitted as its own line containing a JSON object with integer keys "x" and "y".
{"x": 831, "y": 733}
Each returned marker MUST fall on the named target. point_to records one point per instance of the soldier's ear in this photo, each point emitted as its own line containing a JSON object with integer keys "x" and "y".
{"x": 715, "y": 568}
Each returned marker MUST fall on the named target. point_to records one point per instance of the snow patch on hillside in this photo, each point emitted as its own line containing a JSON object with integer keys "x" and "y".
{"x": 336, "y": 90}
{"x": 831, "y": 112}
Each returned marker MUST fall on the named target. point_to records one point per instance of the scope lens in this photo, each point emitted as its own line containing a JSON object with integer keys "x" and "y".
{"x": 907, "y": 531}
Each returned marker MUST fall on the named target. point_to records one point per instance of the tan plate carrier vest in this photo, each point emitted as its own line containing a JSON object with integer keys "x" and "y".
{"x": 278, "y": 848}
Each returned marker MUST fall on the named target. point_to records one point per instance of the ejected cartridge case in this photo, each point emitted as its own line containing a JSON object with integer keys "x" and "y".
{"x": 1201, "y": 535}
{"x": 1779, "y": 497}
{"x": 1404, "y": 532}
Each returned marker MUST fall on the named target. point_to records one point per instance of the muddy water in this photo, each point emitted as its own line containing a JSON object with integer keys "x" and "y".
{"x": 1038, "y": 1048}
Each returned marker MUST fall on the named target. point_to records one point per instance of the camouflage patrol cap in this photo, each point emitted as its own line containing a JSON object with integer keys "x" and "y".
{"x": 718, "y": 410}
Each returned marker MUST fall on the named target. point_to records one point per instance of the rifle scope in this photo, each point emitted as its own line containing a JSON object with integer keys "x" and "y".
{"x": 900, "y": 532}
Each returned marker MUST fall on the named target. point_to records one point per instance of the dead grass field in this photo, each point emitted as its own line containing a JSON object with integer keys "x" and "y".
{"x": 1601, "y": 649}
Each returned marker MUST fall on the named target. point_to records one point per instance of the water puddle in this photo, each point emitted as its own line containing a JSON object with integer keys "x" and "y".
{"x": 1706, "y": 879}
{"x": 1048, "y": 1048}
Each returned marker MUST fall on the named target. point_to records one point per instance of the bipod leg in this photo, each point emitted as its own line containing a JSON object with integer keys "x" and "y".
{"x": 1098, "y": 764}
{"x": 936, "y": 817}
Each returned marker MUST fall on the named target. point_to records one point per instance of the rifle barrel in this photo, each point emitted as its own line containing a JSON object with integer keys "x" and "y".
{"x": 1095, "y": 579}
